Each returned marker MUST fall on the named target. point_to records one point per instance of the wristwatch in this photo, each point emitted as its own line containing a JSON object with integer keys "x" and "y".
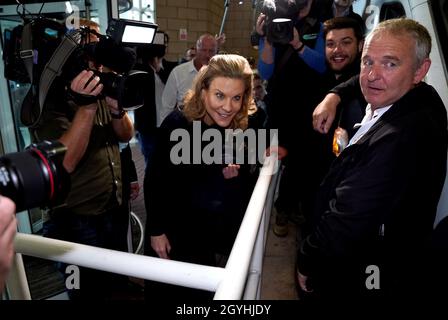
{"x": 118, "y": 115}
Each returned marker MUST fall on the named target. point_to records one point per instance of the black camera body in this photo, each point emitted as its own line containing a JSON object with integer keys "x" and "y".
{"x": 35, "y": 177}
{"x": 281, "y": 17}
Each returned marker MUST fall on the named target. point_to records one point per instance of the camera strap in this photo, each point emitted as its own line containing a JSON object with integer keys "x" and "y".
{"x": 27, "y": 52}
{"x": 27, "y": 112}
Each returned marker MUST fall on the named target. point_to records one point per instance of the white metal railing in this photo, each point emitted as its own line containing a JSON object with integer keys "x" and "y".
{"x": 243, "y": 268}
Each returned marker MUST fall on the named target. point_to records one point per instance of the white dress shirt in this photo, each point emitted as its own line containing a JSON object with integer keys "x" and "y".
{"x": 177, "y": 85}
{"x": 367, "y": 122}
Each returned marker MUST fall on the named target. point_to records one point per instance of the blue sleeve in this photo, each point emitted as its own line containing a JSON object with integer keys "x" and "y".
{"x": 265, "y": 70}
{"x": 315, "y": 58}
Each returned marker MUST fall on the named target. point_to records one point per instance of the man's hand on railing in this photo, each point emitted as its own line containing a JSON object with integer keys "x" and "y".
{"x": 161, "y": 245}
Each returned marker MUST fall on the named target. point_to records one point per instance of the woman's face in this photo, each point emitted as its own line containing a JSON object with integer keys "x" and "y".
{"x": 223, "y": 100}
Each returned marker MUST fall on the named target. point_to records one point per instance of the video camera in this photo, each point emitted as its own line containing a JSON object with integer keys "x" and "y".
{"x": 113, "y": 51}
{"x": 35, "y": 177}
{"x": 47, "y": 52}
{"x": 281, "y": 17}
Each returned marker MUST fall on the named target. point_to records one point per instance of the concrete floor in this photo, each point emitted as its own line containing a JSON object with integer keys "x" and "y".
{"x": 278, "y": 269}
{"x": 279, "y": 266}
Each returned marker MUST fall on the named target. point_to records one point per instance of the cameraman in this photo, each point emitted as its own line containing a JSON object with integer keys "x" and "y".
{"x": 8, "y": 226}
{"x": 91, "y": 127}
{"x": 295, "y": 73}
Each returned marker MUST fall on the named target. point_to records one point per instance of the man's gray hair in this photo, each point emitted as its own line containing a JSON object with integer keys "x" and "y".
{"x": 201, "y": 39}
{"x": 405, "y": 26}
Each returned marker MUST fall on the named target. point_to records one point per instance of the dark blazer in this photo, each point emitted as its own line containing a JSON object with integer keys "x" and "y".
{"x": 378, "y": 202}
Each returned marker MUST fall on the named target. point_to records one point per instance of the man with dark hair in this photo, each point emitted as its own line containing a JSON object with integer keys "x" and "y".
{"x": 343, "y": 45}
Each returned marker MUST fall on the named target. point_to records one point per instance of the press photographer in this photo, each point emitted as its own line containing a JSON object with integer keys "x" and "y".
{"x": 279, "y": 19}
{"x": 90, "y": 124}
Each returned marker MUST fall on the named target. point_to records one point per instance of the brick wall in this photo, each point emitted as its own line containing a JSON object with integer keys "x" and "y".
{"x": 200, "y": 16}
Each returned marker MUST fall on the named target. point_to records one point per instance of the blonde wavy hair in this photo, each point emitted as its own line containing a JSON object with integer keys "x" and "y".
{"x": 223, "y": 65}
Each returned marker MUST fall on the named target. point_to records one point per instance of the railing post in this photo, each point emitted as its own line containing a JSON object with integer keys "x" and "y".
{"x": 17, "y": 283}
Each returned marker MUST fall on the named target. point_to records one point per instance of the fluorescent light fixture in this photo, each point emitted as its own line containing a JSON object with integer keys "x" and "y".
{"x": 280, "y": 20}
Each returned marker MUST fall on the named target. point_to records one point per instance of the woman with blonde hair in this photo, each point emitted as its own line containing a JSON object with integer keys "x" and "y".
{"x": 195, "y": 207}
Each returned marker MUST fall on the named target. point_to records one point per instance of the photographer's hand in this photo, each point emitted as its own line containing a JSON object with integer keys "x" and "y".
{"x": 261, "y": 21}
{"x": 86, "y": 83}
{"x": 8, "y": 227}
{"x": 77, "y": 137}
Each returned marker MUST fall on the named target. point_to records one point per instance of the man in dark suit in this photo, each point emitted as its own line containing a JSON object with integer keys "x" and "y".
{"x": 377, "y": 204}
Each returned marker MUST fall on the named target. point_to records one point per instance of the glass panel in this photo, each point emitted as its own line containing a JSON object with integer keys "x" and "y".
{"x": 441, "y": 24}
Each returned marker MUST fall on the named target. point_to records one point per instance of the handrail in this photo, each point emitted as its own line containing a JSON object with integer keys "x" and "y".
{"x": 129, "y": 264}
{"x": 228, "y": 282}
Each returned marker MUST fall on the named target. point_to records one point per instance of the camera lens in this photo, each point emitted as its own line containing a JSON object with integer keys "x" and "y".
{"x": 134, "y": 89}
{"x": 128, "y": 89}
{"x": 35, "y": 177}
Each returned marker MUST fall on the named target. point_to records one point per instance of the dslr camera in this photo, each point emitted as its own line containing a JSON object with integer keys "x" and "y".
{"x": 281, "y": 17}
{"x": 35, "y": 177}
